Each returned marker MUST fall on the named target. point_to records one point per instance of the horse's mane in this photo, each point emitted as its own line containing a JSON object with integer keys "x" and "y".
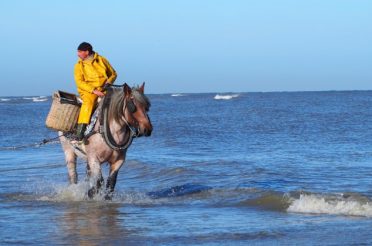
{"x": 116, "y": 106}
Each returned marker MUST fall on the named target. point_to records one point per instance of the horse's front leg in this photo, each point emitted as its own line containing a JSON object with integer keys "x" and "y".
{"x": 95, "y": 177}
{"x": 111, "y": 180}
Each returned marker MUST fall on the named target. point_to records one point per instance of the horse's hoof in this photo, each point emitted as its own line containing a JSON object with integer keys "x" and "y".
{"x": 108, "y": 197}
{"x": 91, "y": 193}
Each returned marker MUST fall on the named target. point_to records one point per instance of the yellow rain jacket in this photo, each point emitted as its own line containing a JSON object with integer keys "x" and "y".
{"x": 91, "y": 74}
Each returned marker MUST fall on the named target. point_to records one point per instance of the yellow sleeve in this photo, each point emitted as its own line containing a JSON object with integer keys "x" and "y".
{"x": 110, "y": 71}
{"x": 80, "y": 81}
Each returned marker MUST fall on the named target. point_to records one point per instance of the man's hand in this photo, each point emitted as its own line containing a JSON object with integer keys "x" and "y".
{"x": 107, "y": 85}
{"x": 98, "y": 93}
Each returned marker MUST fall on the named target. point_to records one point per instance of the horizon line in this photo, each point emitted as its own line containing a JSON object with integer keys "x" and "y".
{"x": 220, "y": 92}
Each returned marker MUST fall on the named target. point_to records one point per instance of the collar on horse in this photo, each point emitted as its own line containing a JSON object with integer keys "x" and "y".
{"x": 105, "y": 126}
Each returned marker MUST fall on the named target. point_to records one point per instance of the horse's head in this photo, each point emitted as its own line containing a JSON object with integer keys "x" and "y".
{"x": 136, "y": 107}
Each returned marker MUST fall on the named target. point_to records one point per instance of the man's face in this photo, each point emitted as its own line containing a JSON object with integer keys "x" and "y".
{"x": 83, "y": 54}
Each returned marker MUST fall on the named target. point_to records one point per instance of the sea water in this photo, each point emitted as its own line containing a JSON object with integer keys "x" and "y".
{"x": 289, "y": 168}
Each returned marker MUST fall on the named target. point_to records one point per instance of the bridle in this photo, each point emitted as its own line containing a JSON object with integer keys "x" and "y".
{"x": 132, "y": 108}
{"x": 105, "y": 126}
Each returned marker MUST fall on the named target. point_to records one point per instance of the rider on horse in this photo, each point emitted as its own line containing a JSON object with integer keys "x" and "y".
{"x": 92, "y": 72}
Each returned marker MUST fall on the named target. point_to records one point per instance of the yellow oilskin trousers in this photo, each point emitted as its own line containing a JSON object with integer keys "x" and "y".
{"x": 91, "y": 74}
{"x": 89, "y": 101}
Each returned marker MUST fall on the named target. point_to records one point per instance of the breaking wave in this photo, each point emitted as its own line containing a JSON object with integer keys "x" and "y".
{"x": 225, "y": 97}
{"x": 40, "y": 99}
{"x": 37, "y": 99}
{"x": 268, "y": 201}
{"x": 317, "y": 204}
{"x": 23, "y": 99}
{"x": 177, "y": 95}
{"x": 340, "y": 204}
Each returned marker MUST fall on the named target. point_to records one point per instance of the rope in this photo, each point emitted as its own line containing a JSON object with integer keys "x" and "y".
{"x": 43, "y": 142}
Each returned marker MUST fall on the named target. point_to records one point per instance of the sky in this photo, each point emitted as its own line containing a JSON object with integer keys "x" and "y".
{"x": 190, "y": 46}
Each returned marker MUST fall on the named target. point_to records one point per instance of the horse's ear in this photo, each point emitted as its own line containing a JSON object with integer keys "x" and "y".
{"x": 127, "y": 89}
{"x": 142, "y": 88}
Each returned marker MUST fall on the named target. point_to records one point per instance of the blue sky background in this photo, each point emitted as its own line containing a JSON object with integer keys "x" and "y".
{"x": 190, "y": 46}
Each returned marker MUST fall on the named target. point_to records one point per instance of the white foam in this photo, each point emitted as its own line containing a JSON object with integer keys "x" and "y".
{"x": 4, "y": 99}
{"x": 320, "y": 205}
{"x": 225, "y": 97}
{"x": 37, "y": 99}
{"x": 176, "y": 95}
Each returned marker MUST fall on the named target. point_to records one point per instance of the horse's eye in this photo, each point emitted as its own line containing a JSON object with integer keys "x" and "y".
{"x": 131, "y": 107}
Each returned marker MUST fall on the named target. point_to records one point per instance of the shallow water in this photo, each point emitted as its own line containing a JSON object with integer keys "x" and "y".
{"x": 232, "y": 168}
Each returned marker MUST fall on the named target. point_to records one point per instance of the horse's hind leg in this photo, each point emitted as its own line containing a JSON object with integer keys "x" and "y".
{"x": 111, "y": 180}
{"x": 70, "y": 158}
{"x": 71, "y": 167}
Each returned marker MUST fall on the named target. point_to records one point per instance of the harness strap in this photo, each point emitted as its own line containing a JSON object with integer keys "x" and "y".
{"x": 105, "y": 128}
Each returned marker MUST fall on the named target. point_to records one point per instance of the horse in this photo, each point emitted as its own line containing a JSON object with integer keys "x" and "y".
{"x": 123, "y": 115}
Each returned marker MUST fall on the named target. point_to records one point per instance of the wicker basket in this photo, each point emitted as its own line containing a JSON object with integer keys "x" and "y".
{"x": 64, "y": 112}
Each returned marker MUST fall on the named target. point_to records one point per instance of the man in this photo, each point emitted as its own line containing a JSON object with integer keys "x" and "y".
{"x": 91, "y": 73}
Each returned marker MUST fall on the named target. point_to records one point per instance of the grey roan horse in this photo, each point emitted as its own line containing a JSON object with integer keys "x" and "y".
{"x": 123, "y": 116}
